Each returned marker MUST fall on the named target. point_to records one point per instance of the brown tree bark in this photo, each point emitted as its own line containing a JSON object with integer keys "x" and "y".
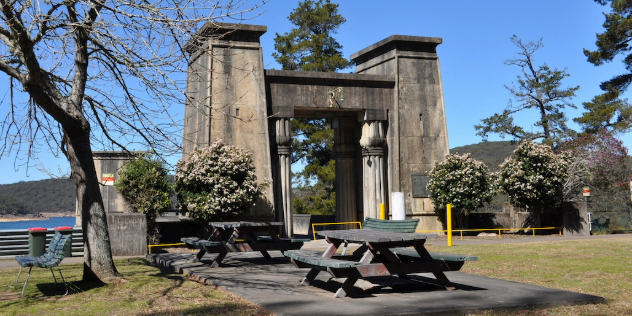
{"x": 98, "y": 263}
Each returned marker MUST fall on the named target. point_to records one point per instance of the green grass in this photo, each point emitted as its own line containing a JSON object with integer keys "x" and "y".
{"x": 601, "y": 267}
{"x": 146, "y": 290}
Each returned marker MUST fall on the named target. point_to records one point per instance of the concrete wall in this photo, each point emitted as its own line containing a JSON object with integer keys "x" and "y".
{"x": 303, "y": 223}
{"x": 575, "y": 219}
{"x": 108, "y": 162}
{"x": 226, "y": 98}
{"x": 417, "y": 136}
{"x": 128, "y": 234}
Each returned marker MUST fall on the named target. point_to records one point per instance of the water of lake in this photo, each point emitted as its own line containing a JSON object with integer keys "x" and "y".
{"x": 46, "y": 223}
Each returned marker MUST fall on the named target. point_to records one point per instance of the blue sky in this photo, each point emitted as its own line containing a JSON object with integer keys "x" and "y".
{"x": 475, "y": 45}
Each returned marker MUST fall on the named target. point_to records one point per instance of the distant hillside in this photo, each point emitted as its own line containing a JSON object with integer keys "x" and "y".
{"x": 29, "y": 197}
{"x": 491, "y": 153}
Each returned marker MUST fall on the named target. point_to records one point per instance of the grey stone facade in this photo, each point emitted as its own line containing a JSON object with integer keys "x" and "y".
{"x": 389, "y": 117}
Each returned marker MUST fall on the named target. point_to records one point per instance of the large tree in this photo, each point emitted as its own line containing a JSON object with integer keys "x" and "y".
{"x": 540, "y": 89}
{"x": 96, "y": 74}
{"x": 309, "y": 46}
{"x": 607, "y": 110}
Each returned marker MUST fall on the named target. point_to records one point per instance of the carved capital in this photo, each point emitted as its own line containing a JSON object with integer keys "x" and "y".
{"x": 373, "y": 134}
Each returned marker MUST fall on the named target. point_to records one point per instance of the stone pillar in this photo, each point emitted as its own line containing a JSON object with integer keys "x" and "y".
{"x": 283, "y": 179}
{"x": 373, "y": 141}
{"x": 345, "y": 147}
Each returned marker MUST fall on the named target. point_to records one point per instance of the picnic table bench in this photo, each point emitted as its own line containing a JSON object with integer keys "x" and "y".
{"x": 382, "y": 253}
{"x": 242, "y": 237}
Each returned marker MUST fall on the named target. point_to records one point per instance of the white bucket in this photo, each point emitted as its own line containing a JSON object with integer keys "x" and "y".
{"x": 399, "y": 205}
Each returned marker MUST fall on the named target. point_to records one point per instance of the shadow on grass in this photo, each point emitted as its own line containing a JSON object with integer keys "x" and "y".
{"x": 74, "y": 287}
{"x": 215, "y": 309}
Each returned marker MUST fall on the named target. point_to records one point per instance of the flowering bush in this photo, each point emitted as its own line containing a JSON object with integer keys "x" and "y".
{"x": 217, "y": 182}
{"x": 534, "y": 176}
{"x": 143, "y": 184}
{"x": 600, "y": 162}
{"x": 464, "y": 182}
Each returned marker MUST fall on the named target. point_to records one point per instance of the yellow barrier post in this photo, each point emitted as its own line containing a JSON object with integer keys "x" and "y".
{"x": 382, "y": 211}
{"x": 449, "y": 220}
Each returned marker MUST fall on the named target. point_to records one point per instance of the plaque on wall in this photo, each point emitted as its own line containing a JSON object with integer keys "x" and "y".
{"x": 419, "y": 186}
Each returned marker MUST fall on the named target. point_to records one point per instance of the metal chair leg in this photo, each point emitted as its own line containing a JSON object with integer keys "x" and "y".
{"x": 62, "y": 278}
{"x": 16, "y": 280}
{"x": 51, "y": 271}
{"x": 26, "y": 281}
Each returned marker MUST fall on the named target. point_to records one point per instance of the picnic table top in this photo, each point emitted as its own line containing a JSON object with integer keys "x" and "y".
{"x": 373, "y": 235}
{"x": 226, "y": 225}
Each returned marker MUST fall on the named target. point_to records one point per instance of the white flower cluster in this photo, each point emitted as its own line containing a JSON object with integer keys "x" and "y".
{"x": 217, "y": 182}
{"x": 534, "y": 176}
{"x": 464, "y": 182}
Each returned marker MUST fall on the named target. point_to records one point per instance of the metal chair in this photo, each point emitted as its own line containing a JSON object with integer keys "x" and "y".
{"x": 52, "y": 258}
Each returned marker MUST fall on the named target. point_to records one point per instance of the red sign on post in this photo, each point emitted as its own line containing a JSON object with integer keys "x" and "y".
{"x": 586, "y": 191}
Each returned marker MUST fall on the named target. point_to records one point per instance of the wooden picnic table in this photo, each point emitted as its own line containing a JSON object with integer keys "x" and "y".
{"x": 375, "y": 257}
{"x": 242, "y": 237}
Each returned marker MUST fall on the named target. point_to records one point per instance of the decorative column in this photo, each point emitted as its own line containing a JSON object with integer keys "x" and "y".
{"x": 283, "y": 179}
{"x": 373, "y": 142}
{"x": 345, "y": 147}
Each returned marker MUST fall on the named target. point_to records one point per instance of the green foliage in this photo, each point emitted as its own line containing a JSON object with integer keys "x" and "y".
{"x": 10, "y": 205}
{"x": 534, "y": 178}
{"x": 143, "y": 183}
{"x": 609, "y": 110}
{"x": 32, "y": 197}
{"x": 318, "y": 198}
{"x": 606, "y": 111}
{"x": 461, "y": 181}
{"x": 309, "y": 46}
{"x": 541, "y": 90}
{"x": 217, "y": 182}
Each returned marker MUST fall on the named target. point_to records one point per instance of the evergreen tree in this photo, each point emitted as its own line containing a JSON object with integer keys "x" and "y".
{"x": 310, "y": 47}
{"x": 607, "y": 110}
{"x": 540, "y": 89}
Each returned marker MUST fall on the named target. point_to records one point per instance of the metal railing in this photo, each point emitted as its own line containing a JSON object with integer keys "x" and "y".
{"x": 15, "y": 242}
{"x": 165, "y": 245}
{"x": 326, "y": 224}
{"x": 534, "y": 229}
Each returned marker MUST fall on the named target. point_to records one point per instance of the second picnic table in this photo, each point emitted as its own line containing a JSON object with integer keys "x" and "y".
{"x": 242, "y": 237}
{"x": 381, "y": 253}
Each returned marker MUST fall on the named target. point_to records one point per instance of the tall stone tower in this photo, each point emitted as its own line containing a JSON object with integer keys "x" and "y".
{"x": 226, "y": 97}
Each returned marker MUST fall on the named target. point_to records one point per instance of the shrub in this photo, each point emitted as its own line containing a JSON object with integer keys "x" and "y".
{"x": 464, "y": 182}
{"x": 534, "y": 177}
{"x": 143, "y": 184}
{"x": 217, "y": 182}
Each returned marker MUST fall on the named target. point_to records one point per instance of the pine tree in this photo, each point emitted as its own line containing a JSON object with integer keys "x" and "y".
{"x": 539, "y": 89}
{"x": 310, "y": 47}
{"x": 607, "y": 110}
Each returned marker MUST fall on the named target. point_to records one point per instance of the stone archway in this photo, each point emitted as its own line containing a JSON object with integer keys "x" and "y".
{"x": 390, "y": 126}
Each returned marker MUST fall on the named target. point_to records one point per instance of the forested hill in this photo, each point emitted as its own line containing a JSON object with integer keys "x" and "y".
{"x": 491, "y": 153}
{"x": 31, "y": 197}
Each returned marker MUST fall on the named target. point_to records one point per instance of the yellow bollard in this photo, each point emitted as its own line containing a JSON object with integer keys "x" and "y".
{"x": 382, "y": 211}
{"x": 449, "y": 220}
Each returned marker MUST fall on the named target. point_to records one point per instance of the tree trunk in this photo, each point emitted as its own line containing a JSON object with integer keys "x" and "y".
{"x": 98, "y": 263}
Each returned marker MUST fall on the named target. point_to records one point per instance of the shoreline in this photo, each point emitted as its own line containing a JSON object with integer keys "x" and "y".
{"x": 34, "y": 217}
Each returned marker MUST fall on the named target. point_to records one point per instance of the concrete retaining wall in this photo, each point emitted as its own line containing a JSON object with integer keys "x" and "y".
{"x": 128, "y": 234}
